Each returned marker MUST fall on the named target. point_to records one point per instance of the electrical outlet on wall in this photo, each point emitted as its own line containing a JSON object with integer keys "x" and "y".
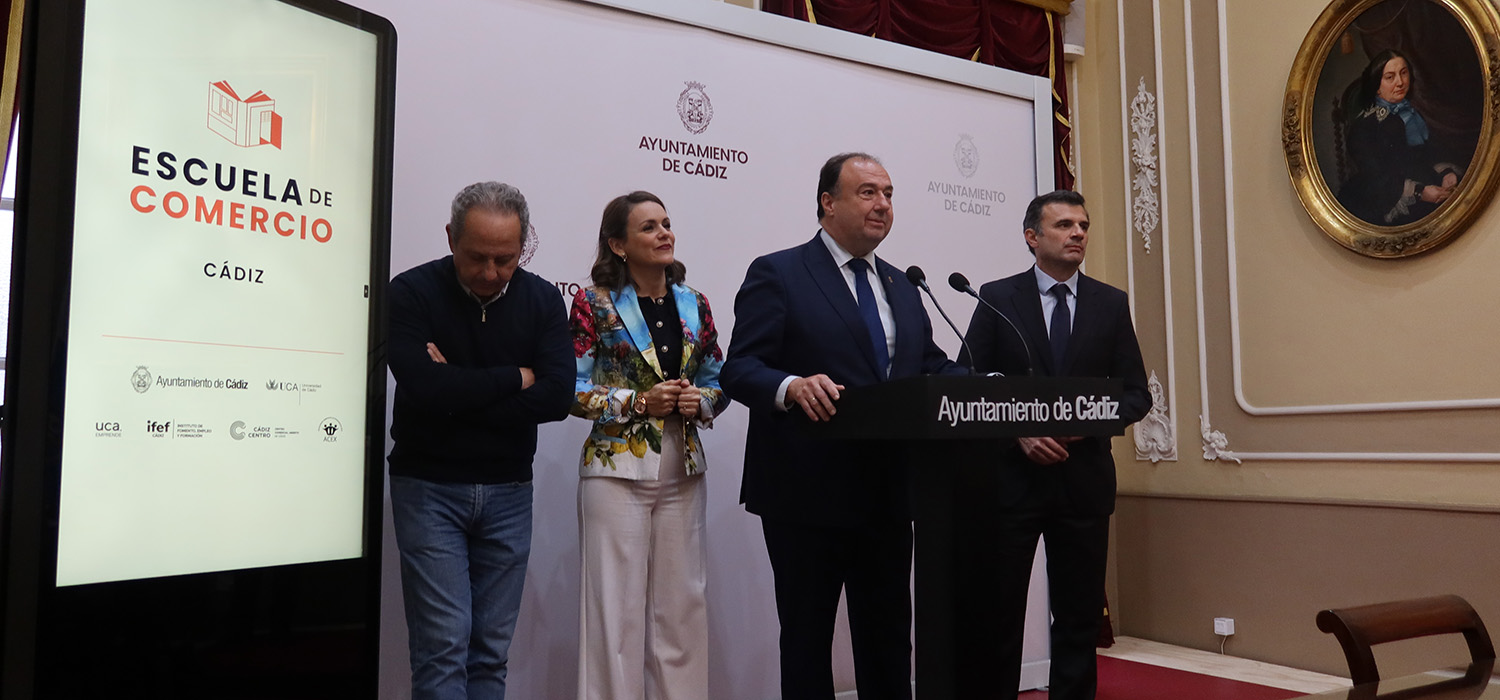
{"x": 1224, "y": 626}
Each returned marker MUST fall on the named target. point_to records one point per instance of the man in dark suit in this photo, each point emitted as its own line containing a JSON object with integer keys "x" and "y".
{"x": 1061, "y": 489}
{"x": 809, "y": 322}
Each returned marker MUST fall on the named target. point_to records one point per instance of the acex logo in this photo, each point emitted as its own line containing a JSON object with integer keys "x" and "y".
{"x": 247, "y": 122}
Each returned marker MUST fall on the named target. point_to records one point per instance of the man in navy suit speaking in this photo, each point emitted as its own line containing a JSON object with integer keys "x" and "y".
{"x": 811, "y": 321}
{"x": 1059, "y": 489}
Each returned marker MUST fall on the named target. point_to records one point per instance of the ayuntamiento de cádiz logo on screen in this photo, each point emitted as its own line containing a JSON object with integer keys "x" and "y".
{"x": 247, "y": 122}
{"x": 210, "y": 188}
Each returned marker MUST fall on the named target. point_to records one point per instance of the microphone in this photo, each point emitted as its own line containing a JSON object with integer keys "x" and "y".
{"x": 960, "y": 283}
{"x": 918, "y": 278}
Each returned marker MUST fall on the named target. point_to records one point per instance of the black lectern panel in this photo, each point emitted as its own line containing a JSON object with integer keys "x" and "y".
{"x": 950, "y": 427}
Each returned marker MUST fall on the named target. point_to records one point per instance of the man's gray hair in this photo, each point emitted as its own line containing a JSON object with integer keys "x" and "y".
{"x": 490, "y": 196}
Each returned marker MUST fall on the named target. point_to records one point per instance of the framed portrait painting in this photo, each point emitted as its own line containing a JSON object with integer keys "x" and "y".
{"x": 1389, "y": 121}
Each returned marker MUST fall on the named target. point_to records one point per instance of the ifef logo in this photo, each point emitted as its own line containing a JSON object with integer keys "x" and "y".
{"x": 966, "y": 155}
{"x": 247, "y": 122}
{"x": 694, "y": 107}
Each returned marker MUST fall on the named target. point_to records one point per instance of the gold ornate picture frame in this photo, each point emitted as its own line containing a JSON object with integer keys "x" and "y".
{"x": 1390, "y": 118}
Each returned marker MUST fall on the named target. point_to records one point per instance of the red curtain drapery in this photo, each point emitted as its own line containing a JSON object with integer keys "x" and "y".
{"x": 1002, "y": 33}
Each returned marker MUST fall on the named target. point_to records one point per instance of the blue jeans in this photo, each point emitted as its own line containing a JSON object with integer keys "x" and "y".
{"x": 463, "y": 563}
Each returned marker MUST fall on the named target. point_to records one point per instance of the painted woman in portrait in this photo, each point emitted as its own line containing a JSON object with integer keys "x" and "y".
{"x": 1399, "y": 174}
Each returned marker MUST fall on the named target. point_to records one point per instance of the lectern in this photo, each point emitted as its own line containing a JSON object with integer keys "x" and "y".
{"x": 953, "y": 428}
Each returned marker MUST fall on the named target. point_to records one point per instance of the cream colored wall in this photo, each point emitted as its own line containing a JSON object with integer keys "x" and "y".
{"x": 1307, "y": 328}
{"x": 1273, "y": 566}
{"x": 1251, "y": 317}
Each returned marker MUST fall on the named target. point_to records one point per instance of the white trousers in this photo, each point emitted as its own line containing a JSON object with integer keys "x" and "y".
{"x": 643, "y": 627}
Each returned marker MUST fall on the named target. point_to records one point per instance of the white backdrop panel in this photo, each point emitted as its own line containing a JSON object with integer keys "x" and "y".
{"x": 570, "y": 101}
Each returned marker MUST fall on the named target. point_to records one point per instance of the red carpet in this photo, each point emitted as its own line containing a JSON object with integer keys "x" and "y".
{"x": 1128, "y": 680}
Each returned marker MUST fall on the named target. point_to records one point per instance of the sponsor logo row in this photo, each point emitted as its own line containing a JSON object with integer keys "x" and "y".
{"x": 142, "y": 381}
{"x": 327, "y": 430}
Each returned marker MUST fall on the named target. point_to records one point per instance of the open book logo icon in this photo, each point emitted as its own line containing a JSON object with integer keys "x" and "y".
{"x": 247, "y": 122}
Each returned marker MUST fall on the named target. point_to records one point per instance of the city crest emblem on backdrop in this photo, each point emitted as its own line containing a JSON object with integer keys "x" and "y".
{"x": 694, "y": 107}
{"x": 966, "y": 155}
{"x": 528, "y": 249}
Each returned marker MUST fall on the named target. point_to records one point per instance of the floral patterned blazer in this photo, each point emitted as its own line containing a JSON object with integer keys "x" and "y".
{"x": 616, "y": 359}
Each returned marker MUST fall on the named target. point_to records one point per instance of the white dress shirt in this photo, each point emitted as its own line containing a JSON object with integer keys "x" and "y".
{"x": 1044, "y": 283}
{"x": 841, "y": 259}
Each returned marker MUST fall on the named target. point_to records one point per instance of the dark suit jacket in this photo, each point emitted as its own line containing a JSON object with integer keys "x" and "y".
{"x": 1102, "y": 344}
{"x": 794, "y": 315}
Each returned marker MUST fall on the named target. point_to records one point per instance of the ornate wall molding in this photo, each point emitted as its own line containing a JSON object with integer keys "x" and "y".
{"x": 1216, "y": 444}
{"x": 1142, "y": 123}
{"x": 1145, "y": 213}
{"x": 1155, "y": 436}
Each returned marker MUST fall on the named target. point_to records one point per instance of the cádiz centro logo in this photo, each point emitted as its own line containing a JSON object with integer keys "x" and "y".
{"x": 966, "y": 155}
{"x": 245, "y": 122}
{"x": 237, "y": 430}
{"x": 694, "y": 107}
{"x": 140, "y": 379}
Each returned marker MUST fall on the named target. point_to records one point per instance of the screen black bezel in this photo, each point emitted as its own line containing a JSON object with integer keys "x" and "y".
{"x": 304, "y": 630}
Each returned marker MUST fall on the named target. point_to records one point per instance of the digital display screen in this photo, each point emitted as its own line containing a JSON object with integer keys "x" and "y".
{"x": 219, "y": 309}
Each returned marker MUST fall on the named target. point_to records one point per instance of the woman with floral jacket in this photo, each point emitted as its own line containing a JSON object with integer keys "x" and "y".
{"x": 648, "y": 377}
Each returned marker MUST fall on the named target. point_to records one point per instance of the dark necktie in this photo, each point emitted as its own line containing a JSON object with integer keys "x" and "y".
{"x": 865, "y": 295}
{"x": 1061, "y": 323}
